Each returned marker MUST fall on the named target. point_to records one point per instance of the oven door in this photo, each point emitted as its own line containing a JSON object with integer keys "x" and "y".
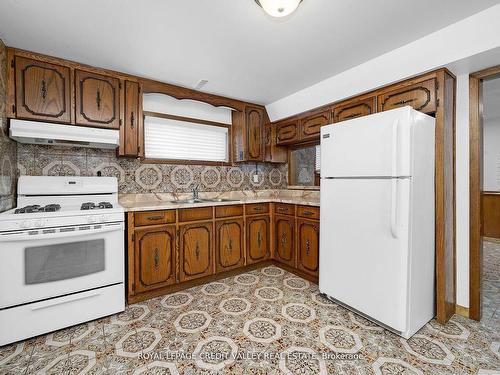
{"x": 50, "y": 262}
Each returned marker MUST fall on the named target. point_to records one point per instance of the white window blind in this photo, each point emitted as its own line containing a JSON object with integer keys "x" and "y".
{"x": 318, "y": 159}
{"x": 182, "y": 140}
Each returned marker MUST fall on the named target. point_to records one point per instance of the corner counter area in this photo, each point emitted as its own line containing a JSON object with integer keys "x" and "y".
{"x": 175, "y": 243}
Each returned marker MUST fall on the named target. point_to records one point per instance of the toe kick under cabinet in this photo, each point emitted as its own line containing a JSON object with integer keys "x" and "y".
{"x": 170, "y": 250}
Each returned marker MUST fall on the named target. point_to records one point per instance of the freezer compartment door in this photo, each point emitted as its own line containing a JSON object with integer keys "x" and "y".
{"x": 364, "y": 246}
{"x": 372, "y": 146}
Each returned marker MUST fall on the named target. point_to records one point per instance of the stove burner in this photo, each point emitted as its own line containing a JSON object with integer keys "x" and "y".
{"x": 37, "y": 208}
{"x": 93, "y": 206}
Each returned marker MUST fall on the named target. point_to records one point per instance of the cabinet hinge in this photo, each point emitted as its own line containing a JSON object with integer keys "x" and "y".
{"x": 12, "y": 63}
{"x": 437, "y": 103}
{"x": 139, "y": 89}
{"x": 133, "y": 237}
{"x": 120, "y": 122}
{"x": 120, "y": 85}
{"x": 138, "y": 149}
{"x": 13, "y": 109}
{"x": 133, "y": 287}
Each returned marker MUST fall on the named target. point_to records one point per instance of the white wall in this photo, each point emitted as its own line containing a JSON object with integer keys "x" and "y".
{"x": 491, "y": 135}
{"x": 464, "y": 47}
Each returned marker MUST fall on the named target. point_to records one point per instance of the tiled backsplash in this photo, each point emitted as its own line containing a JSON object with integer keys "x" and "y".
{"x": 8, "y": 176}
{"x": 137, "y": 177}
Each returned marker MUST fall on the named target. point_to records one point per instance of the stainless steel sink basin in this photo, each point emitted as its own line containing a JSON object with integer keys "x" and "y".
{"x": 191, "y": 200}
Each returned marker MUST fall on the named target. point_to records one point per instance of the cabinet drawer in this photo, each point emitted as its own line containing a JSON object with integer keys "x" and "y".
{"x": 195, "y": 214}
{"x": 284, "y": 209}
{"x": 309, "y": 212}
{"x": 310, "y": 127}
{"x": 287, "y": 132}
{"x": 421, "y": 96}
{"x": 228, "y": 211}
{"x": 256, "y": 208}
{"x": 349, "y": 110}
{"x": 154, "y": 217}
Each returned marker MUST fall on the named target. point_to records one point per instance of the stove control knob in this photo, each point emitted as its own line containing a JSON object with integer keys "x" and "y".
{"x": 37, "y": 223}
{"x": 24, "y": 224}
{"x": 91, "y": 219}
{"x": 102, "y": 218}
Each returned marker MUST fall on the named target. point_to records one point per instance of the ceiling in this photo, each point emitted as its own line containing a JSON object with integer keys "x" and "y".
{"x": 242, "y": 52}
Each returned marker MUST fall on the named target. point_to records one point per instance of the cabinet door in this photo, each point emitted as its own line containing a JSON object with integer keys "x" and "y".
{"x": 257, "y": 238}
{"x": 421, "y": 96}
{"x": 97, "y": 100}
{"x": 229, "y": 244}
{"x": 131, "y": 121}
{"x": 287, "y": 132}
{"x": 255, "y": 127}
{"x": 310, "y": 127}
{"x": 195, "y": 250}
{"x": 42, "y": 91}
{"x": 308, "y": 246}
{"x": 284, "y": 240}
{"x": 349, "y": 110}
{"x": 154, "y": 258}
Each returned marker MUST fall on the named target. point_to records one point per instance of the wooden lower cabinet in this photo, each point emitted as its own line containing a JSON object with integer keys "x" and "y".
{"x": 154, "y": 258}
{"x": 308, "y": 246}
{"x": 229, "y": 244}
{"x": 257, "y": 235}
{"x": 284, "y": 244}
{"x": 195, "y": 250}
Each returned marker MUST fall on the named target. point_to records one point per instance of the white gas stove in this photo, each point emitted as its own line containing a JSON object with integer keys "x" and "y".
{"x": 61, "y": 255}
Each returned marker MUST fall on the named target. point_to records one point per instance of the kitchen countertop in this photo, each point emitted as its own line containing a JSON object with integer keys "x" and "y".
{"x": 162, "y": 201}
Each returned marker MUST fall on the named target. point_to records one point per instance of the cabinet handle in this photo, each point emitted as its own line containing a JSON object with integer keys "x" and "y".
{"x": 157, "y": 259}
{"x": 230, "y": 248}
{"x": 44, "y": 89}
{"x": 259, "y": 239}
{"x": 283, "y": 239}
{"x": 197, "y": 251}
{"x": 357, "y": 114}
{"x": 132, "y": 120}
{"x": 255, "y": 134}
{"x": 98, "y": 100}
{"x": 308, "y": 213}
{"x": 154, "y": 218}
{"x": 403, "y": 101}
{"x": 281, "y": 209}
{"x": 257, "y": 208}
{"x": 308, "y": 246}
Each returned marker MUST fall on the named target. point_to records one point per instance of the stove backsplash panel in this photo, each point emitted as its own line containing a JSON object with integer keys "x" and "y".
{"x": 137, "y": 177}
{"x": 8, "y": 152}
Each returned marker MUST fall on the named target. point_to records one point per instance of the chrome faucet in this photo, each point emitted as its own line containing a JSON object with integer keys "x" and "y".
{"x": 195, "y": 192}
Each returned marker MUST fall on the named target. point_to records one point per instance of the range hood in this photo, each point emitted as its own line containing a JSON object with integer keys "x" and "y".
{"x": 45, "y": 133}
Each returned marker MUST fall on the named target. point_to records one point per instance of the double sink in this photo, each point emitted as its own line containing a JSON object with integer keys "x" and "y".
{"x": 197, "y": 200}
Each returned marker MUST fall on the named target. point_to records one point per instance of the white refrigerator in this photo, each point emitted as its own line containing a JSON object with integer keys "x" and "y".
{"x": 377, "y": 217}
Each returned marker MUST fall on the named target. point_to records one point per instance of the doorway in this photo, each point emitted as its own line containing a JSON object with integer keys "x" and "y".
{"x": 484, "y": 292}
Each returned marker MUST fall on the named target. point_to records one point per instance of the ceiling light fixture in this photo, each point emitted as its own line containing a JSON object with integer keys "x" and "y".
{"x": 279, "y": 8}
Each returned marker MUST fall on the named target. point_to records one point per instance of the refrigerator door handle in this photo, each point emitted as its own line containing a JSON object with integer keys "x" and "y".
{"x": 395, "y": 148}
{"x": 394, "y": 207}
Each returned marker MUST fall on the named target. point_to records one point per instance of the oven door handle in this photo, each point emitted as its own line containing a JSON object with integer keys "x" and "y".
{"x": 50, "y": 236}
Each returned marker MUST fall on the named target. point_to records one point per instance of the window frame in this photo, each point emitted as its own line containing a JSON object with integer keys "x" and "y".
{"x": 229, "y": 162}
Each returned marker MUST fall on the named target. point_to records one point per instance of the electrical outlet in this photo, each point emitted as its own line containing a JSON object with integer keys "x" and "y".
{"x": 255, "y": 178}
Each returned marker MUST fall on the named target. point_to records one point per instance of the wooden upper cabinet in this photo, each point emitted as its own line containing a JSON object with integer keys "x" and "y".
{"x": 421, "y": 96}
{"x": 308, "y": 246}
{"x": 154, "y": 258}
{"x": 229, "y": 245}
{"x": 284, "y": 247}
{"x": 257, "y": 235}
{"x": 310, "y": 127}
{"x": 254, "y": 118}
{"x": 130, "y": 131}
{"x": 43, "y": 90}
{"x": 195, "y": 242}
{"x": 350, "y": 109}
{"x": 287, "y": 132}
{"x": 97, "y": 100}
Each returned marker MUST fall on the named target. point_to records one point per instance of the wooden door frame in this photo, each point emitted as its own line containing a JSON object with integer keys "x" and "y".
{"x": 475, "y": 187}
